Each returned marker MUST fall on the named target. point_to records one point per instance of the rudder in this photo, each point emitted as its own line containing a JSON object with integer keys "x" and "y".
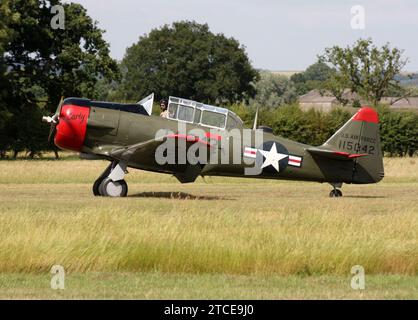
{"x": 360, "y": 136}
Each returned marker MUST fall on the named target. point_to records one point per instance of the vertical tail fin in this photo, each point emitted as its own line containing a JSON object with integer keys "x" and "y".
{"x": 360, "y": 135}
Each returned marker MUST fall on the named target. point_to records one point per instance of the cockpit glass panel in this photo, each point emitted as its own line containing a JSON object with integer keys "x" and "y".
{"x": 203, "y": 114}
{"x": 213, "y": 119}
{"x": 172, "y": 110}
{"x": 197, "y": 116}
{"x": 185, "y": 113}
{"x": 233, "y": 122}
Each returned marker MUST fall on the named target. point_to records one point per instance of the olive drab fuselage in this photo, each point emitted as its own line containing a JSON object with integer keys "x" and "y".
{"x": 123, "y": 134}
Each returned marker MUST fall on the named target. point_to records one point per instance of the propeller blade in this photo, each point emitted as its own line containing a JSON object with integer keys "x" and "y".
{"x": 51, "y": 132}
{"x": 54, "y": 119}
{"x": 57, "y": 112}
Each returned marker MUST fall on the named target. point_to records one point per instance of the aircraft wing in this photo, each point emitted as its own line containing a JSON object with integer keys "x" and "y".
{"x": 143, "y": 153}
{"x": 337, "y": 155}
{"x": 149, "y": 147}
{"x": 143, "y": 148}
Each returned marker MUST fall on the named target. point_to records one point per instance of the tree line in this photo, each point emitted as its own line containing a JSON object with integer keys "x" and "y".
{"x": 40, "y": 64}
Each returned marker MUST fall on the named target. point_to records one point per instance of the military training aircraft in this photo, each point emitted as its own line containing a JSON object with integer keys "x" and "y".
{"x": 128, "y": 135}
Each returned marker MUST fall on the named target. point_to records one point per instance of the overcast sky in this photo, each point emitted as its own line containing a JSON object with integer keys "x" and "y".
{"x": 278, "y": 35}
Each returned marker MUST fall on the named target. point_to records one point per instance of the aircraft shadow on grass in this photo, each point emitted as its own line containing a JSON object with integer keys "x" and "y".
{"x": 175, "y": 195}
{"x": 366, "y": 197}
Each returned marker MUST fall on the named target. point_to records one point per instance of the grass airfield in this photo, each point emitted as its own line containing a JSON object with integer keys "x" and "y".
{"x": 219, "y": 238}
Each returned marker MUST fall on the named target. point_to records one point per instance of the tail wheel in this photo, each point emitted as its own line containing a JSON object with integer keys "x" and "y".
{"x": 109, "y": 188}
{"x": 335, "y": 193}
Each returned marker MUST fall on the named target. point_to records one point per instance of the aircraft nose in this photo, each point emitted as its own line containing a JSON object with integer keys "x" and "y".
{"x": 72, "y": 127}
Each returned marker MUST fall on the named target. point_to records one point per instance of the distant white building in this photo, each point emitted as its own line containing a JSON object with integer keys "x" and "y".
{"x": 325, "y": 101}
{"x": 404, "y": 103}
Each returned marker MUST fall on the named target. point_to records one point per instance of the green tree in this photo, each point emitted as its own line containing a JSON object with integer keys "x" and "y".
{"x": 365, "y": 69}
{"x": 41, "y": 64}
{"x": 5, "y": 18}
{"x": 62, "y": 62}
{"x": 273, "y": 90}
{"x": 187, "y": 60}
{"x": 312, "y": 78}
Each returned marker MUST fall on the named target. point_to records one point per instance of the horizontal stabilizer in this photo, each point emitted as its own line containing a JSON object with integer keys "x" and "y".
{"x": 332, "y": 154}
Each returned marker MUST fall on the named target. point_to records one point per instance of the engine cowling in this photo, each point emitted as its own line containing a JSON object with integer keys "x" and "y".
{"x": 72, "y": 127}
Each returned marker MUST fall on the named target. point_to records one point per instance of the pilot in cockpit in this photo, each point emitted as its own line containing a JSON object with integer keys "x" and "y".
{"x": 163, "y": 107}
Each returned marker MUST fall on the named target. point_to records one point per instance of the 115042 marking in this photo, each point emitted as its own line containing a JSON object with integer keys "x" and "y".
{"x": 356, "y": 146}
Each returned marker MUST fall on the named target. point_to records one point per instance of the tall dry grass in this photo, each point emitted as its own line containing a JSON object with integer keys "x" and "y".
{"x": 48, "y": 216}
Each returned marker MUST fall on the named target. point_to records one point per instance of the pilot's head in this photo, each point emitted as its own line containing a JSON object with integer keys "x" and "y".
{"x": 163, "y": 105}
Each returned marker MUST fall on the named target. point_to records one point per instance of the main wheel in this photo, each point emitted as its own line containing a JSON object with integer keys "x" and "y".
{"x": 109, "y": 188}
{"x": 335, "y": 193}
{"x": 96, "y": 185}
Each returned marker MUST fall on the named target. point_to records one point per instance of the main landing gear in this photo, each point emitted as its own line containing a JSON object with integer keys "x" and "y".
{"x": 335, "y": 193}
{"x": 111, "y": 182}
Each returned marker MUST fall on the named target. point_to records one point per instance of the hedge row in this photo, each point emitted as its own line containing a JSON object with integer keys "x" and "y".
{"x": 398, "y": 129}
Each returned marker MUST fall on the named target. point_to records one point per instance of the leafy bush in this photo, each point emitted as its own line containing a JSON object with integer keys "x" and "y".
{"x": 273, "y": 90}
{"x": 398, "y": 130}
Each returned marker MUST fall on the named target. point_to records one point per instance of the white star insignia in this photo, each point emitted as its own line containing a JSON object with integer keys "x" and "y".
{"x": 272, "y": 157}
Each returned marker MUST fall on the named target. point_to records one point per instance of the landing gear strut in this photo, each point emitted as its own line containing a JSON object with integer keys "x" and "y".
{"x": 111, "y": 182}
{"x": 335, "y": 193}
